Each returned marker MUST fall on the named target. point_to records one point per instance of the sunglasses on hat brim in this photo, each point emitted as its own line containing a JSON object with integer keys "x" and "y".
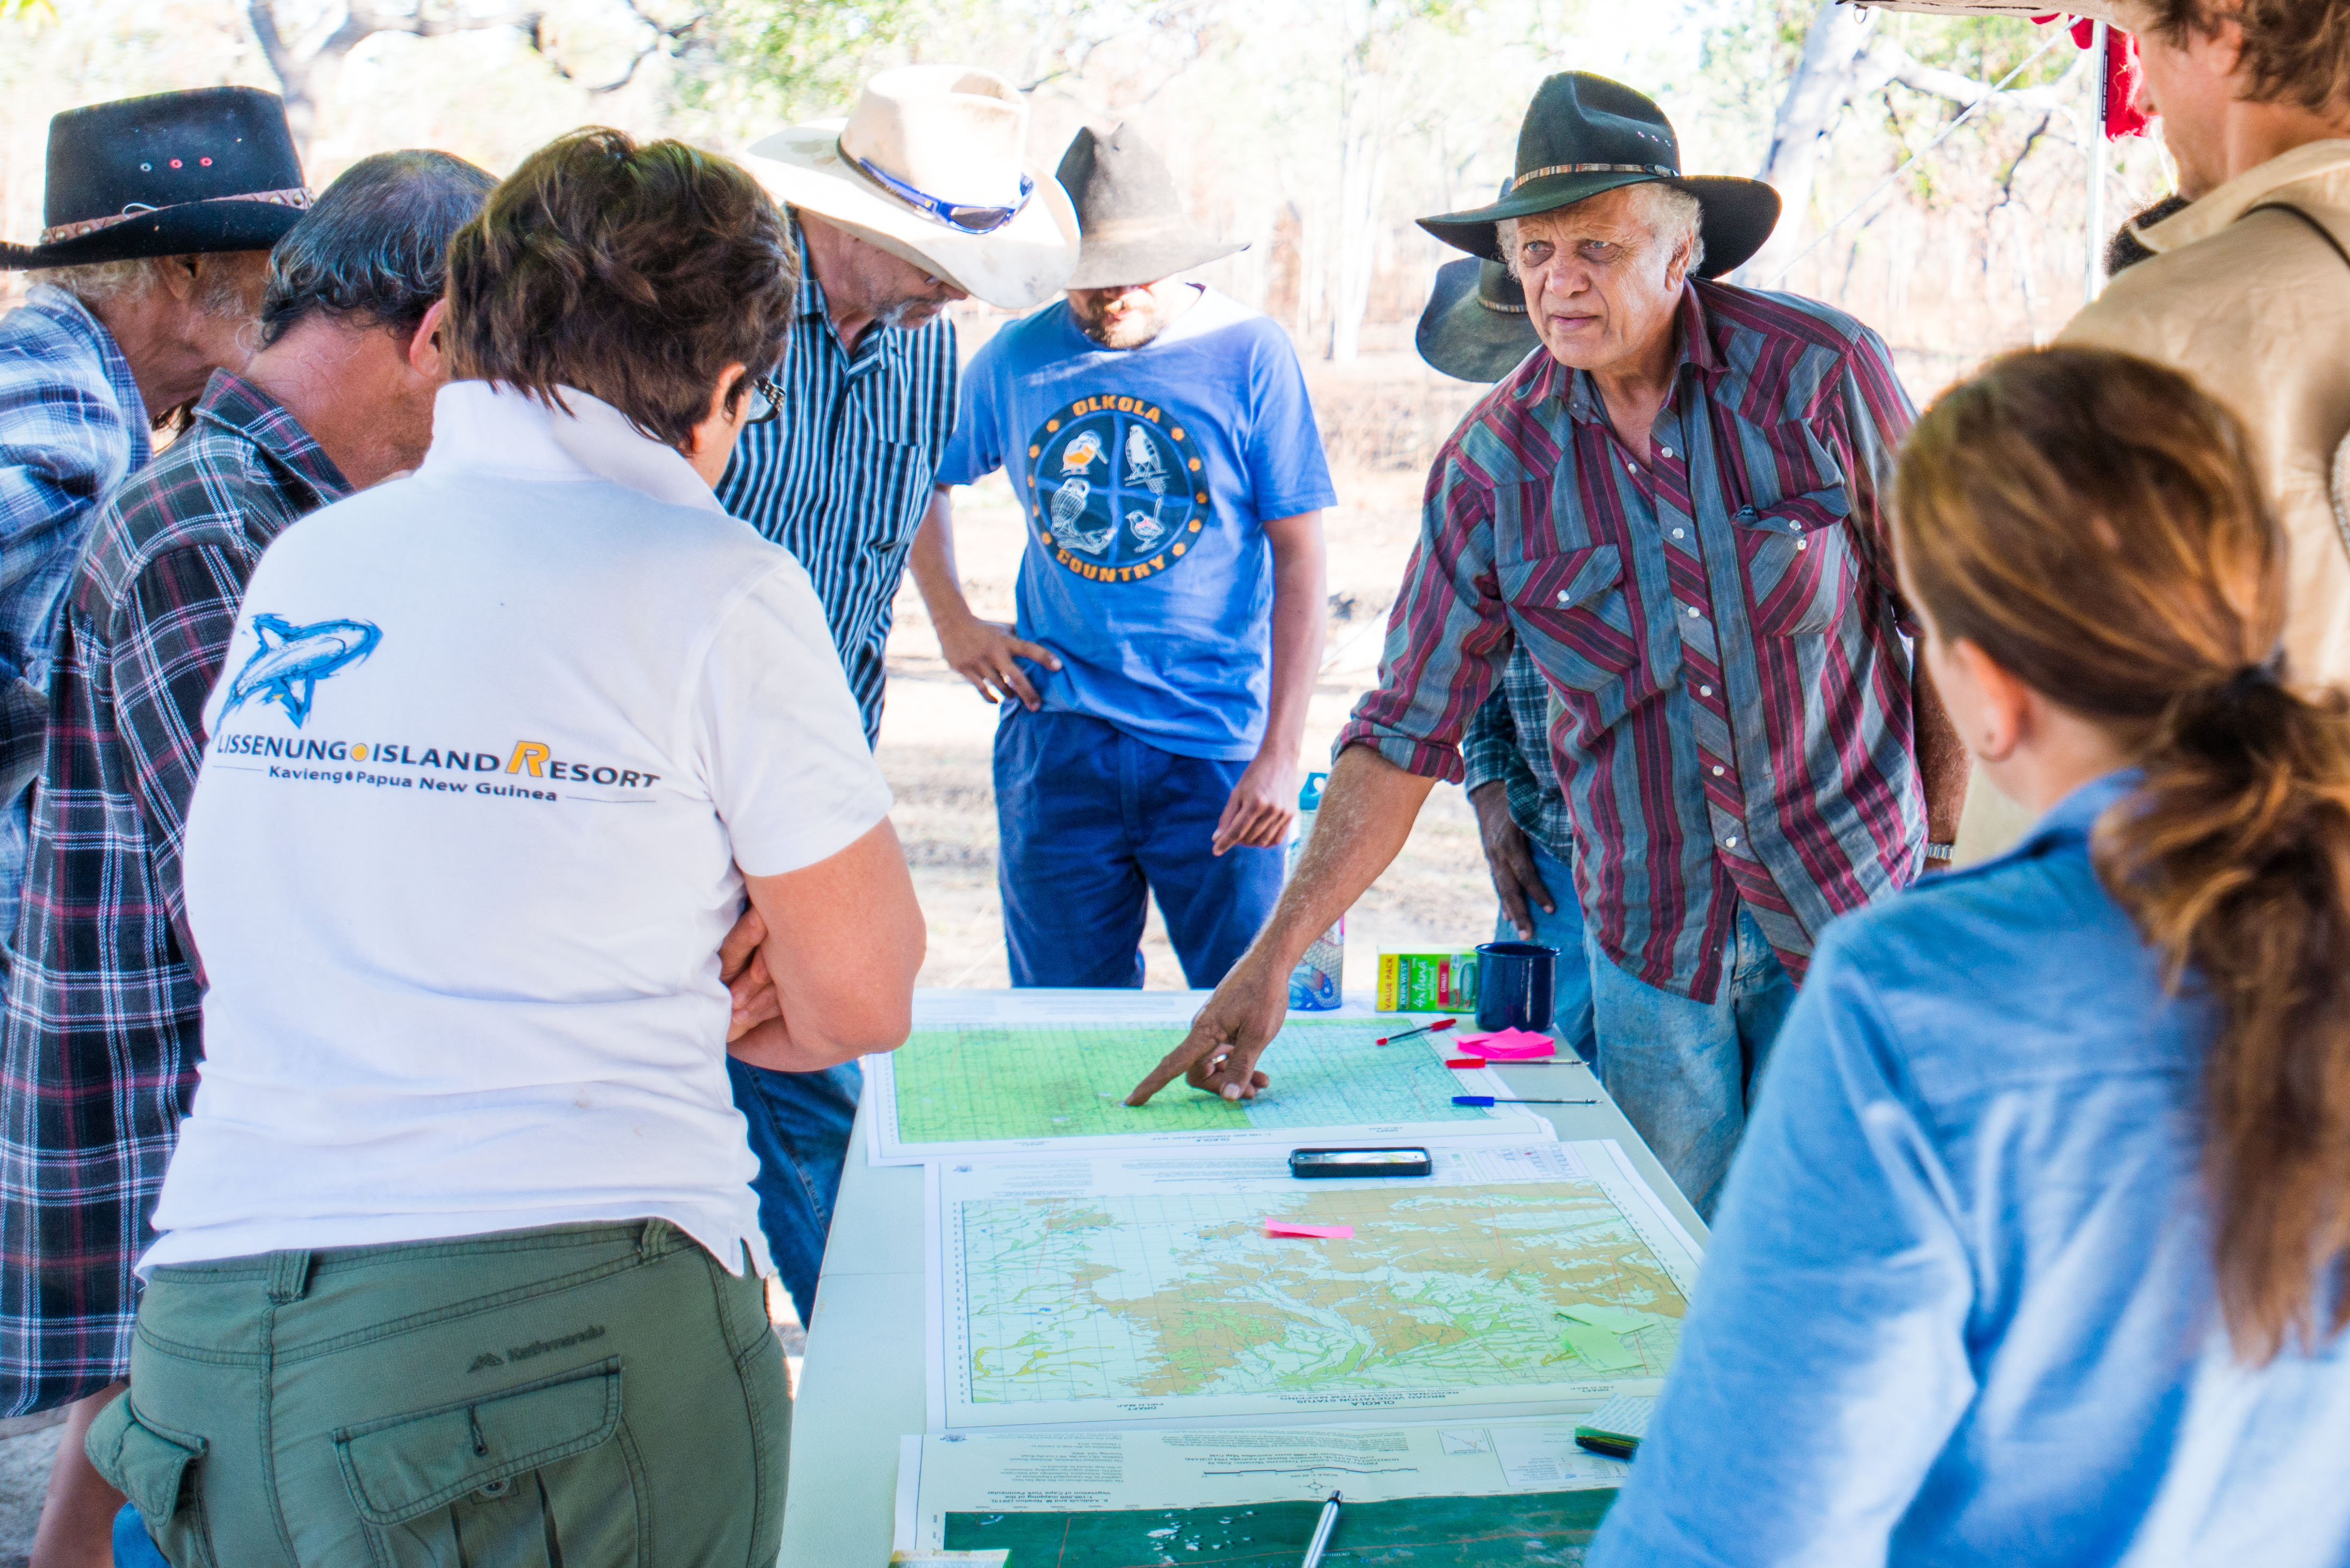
{"x": 970, "y": 219}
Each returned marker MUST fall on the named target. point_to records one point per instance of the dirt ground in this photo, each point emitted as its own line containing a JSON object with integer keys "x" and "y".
{"x": 1382, "y": 420}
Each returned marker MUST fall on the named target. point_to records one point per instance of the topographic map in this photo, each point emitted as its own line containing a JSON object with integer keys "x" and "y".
{"x": 973, "y": 1088}
{"x": 1156, "y": 1306}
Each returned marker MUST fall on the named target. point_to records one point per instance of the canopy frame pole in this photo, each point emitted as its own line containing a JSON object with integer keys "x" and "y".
{"x": 2100, "y": 157}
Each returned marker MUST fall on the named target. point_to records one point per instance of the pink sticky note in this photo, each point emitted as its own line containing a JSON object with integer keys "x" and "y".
{"x": 1508, "y": 1045}
{"x": 1327, "y": 1233}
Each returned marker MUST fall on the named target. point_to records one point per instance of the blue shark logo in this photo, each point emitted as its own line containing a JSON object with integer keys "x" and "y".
{"x": 292, "y": 659}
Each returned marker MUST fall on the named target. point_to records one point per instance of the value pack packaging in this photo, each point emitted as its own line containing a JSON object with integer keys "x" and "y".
{"x": 1426, "y": 982}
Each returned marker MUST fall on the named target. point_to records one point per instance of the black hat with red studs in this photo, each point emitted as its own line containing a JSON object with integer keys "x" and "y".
{"x": 174, "y": 173}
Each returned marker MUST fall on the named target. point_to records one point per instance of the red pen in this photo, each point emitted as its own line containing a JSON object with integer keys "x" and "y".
{"x": 1440, "y": 1024}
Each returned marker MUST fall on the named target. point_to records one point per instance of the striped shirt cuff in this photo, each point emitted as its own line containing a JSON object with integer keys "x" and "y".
{"x": 1426, "y": 758}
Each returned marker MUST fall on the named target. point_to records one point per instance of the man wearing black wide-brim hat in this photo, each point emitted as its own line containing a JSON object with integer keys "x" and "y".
{"x": 1677, "y": 512}
{"x": 159, "y": 214}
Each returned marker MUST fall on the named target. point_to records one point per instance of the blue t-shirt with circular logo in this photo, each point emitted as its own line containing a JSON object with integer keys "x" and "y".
{"x": 1145, "y": 476}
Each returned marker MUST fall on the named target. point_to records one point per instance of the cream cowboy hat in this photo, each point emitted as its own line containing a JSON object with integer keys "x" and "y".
{"x": 932, "y": 167}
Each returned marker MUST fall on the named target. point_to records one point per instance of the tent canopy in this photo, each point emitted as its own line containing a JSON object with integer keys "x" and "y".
{"x": 2095, "y": 10}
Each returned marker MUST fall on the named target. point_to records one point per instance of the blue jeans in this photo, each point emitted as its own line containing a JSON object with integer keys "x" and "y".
{"x": 799, "y": 1129}
{"x": 133, "y": 1547}
{"x": 1684, "y": 1073}
{"x": 1570, "y": 1013}
{"x": 1089, "y": 823}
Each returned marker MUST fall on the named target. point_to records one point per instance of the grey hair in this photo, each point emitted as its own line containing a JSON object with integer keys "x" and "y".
{"x": 99, "y": 283}
{"x": 1670, "y": 213}
{"x": 374, "y": 247}
{"x": 224, "y": 294}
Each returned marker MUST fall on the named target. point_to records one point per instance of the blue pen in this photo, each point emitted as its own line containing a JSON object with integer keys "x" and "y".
{"x": 1489, "y": 1100}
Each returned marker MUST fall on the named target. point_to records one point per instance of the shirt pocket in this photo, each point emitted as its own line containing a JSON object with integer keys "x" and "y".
{"x": 902, "y": 474}
{"x": 1572, "y": 614}
{"x": 1802, "y": 570}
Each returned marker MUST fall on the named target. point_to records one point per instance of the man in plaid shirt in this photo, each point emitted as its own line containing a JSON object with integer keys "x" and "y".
{"x": 1677, "y": 513}
{"x": 144, "y": 281}
{"x": 1527, "y": 832}
{"x": 98, "y": 1061}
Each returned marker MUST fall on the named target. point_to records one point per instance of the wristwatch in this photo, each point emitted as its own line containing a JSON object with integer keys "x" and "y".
{"x": 1941, "y": 851}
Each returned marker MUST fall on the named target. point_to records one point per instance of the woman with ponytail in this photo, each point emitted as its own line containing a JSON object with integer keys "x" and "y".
{"x": 2035, "y": 1250}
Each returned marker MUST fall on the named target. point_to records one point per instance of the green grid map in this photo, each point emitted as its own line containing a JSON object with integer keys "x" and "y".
{"x": 1516, "y": 1529}
{"x": 983, "y": 1083}
{"x": 1067, "y": 1299}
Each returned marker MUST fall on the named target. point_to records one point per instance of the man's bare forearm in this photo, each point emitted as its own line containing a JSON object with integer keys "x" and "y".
{"x": 932, "y": 559}
{"x": 1300, "y": 613}
{"x": 1942, "y": 761}
{"x": 1367, "y": 814}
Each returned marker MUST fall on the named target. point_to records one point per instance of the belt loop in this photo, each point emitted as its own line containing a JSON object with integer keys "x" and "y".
{"x": 289, "y": 1276}
{"x": 649, "y": 1237}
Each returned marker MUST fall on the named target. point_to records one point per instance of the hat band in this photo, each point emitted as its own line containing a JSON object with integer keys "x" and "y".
{"x": 1662, "y": 171}
{"x": 1504, "y": 309}
{"x": 297, "y": 197}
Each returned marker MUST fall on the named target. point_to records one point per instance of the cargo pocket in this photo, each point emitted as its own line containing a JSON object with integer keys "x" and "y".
{"x": 160, "y": 1473}
{"x": 535, "y": 1476}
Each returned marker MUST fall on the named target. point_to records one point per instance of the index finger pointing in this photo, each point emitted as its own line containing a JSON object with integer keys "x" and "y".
{"x": 1172, "y": 1065}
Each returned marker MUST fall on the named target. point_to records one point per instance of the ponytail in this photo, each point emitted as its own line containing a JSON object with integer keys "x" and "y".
{"x": 2094, "y": 525}
{"x": 2233, "y": 860}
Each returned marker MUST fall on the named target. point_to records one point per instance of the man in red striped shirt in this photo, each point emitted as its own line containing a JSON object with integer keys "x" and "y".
{"x": 1678, "y": 513}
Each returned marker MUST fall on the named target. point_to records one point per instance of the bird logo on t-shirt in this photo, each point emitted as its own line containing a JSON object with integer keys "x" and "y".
{"x": 1118, "y": 487}
{"x": 292, "y": 659}
{"x": 1068, "y": 507}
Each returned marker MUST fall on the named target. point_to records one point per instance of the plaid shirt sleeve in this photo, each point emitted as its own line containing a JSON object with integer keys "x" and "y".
{"x": 1490, "y": 746}
{"x": 169, "y": 643}
{"x": 1449, "y": 634}
{"x": 65, "y": 441}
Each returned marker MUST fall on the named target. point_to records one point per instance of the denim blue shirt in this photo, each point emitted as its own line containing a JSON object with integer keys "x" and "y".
{"x": 1958, "y": 1307}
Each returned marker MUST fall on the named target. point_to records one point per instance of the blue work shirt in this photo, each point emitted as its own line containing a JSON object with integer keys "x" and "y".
{"x": 1147, "y": 476}
{"x": 1959, "y": 1307}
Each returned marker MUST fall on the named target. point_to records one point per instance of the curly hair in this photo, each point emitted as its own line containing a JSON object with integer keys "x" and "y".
{"x": 2295, "y": 51}
{"x": 636, "y": 274}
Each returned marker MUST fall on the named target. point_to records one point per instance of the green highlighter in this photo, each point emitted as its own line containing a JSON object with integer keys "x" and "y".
{"x": 1617, "y": 1428}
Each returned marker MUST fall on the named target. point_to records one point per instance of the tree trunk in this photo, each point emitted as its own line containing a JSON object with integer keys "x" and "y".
{"x": 1362, "y": 157}
{"x": 1830, "y": 75}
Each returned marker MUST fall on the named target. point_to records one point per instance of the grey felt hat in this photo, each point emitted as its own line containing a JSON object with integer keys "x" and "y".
{"x": 1476, "y": 326}
{"x": 1134, "y": 226}
{"x": 1584, "y": 135}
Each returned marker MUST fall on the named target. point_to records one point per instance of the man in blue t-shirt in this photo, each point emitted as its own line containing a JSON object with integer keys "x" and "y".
{"x": 1162, "y": 446}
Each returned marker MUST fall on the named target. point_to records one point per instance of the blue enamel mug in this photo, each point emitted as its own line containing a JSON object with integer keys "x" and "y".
{"x": 1514, "y": 985}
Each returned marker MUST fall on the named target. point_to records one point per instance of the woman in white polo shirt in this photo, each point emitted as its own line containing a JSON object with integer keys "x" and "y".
{"x": 460, "y": 1257}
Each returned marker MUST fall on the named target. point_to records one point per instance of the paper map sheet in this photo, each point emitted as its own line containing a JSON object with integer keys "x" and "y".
{"x": 1540, "y": 1530}
{"x": 1056, "y": 1086}
{"x": 1099, "y": 1292}
{"x": 1211, "y": 1485}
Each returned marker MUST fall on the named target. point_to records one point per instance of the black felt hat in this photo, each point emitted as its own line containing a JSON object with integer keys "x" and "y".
{"x": 1133, "y": 225}
{"x": 1584, "y": 134}
{"x": 175, "y": 173}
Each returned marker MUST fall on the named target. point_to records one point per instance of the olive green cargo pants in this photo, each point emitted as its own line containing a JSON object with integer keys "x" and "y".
{"x": 579, "y": 1397}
